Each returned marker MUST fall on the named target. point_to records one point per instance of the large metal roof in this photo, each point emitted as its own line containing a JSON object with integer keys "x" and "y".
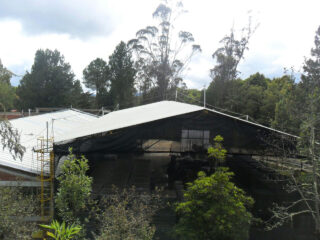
{"x": 131, "y": 117}
{"x": 139, "y": 115}
{"x": 31, "y": 128}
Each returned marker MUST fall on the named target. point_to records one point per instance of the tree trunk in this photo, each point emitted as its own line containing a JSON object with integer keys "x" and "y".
{"x": 315, "y": 181}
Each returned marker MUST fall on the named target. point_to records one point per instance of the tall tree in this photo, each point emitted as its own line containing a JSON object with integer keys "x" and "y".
{"x": 227, "y": 60}
{"x": 7, "y": 92}
{"x": 96, "y": 77}
{"x": 252, "y": 94}
{"x": 306, "y": 183}
{"x": 7, "y": 96}
{"x": 50, "y": 82}
{"x": 80, "y": 99}
{"x": 160, "y": 61}
{"x": 122, "y": 76}
{"x": 278, "y": 104}
{"x": 310, "y": 113}
{"x": 5, "y": 74}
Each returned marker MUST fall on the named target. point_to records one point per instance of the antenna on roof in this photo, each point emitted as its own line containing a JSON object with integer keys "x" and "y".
{"x": 204, "y": 96}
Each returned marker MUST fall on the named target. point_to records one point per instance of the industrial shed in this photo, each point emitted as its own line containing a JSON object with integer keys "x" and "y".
{"x": 185, "y": 125}
{"x": 135, "y": 146}
{"x": 164, "y": 144}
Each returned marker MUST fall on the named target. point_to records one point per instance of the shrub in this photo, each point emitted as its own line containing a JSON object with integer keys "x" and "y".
{"x": 214, "y": 208}
{"x": 15, "y": 206}
{"x": 128, "y": 215}
{"x": 73, "y": 198}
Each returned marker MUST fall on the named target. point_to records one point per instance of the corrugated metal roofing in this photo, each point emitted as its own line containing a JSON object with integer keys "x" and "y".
{"x": 139, "y": 115}
{"x": 131, "y": 117}
{"x": 31, "y": 128}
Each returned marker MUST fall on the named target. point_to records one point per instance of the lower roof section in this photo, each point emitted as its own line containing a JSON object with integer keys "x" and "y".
{"x": 34, "y": 127}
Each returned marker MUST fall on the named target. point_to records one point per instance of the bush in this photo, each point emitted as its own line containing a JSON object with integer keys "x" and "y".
{"x": 128, "y": 215}
{"x": 214, "y": 208}
{"x": 15, "y": 207}
{"x": 74, "y": 191}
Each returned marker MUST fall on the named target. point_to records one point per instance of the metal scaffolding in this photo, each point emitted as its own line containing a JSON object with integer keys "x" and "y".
{"x": 45, "y": 164}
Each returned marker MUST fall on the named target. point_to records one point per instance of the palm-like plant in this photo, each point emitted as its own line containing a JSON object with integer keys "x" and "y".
{"x": 61, "y": 231}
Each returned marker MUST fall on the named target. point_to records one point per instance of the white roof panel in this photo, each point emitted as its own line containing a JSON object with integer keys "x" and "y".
{"x": 131, "y": 117}
{"x": 31, "y": 128}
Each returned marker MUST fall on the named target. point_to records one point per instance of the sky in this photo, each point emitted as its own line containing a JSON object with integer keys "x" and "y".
{"x": 83, "y": 30}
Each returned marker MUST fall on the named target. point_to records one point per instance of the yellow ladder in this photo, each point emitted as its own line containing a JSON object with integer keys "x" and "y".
{"x": 45, "y": 160}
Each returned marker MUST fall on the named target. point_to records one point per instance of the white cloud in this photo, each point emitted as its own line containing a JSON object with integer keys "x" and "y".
{"x": 284, "y": 37}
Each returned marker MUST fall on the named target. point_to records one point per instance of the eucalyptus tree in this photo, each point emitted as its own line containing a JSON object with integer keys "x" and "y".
{"x": 161, "y": 52}
{"x": 227, "y": 60}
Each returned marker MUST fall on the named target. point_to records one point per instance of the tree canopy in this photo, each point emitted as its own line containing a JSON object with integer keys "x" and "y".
{"x": 122, "y": 76}
{"x": 96, "y": 77}
{"x": 49, "y": 83}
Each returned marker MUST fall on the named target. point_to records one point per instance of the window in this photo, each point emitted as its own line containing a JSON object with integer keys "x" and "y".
{"x": 194, "y": 139}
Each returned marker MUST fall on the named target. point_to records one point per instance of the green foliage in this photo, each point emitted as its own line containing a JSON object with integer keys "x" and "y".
{"x": 7, "y": 95}
{"x": 122, "y": 76}
{"x": 80, "y": 99}
{"x": 191, "y": 96}
{"x": 5, "y": 74}
{"x": 214, "y": 208}
{"x": 267, "y": 101}
{"x": 61, "y": 231}
{"x": 7, "y": 92}
{"x": 305, "y": 105}
{"x": 10, "y": 139}
{"x": 217, "y": 154}
{"x": 15, "y": 206}
{"x": 49, "y": 84}
{"x": 128, "y": 215}
{"x": 74, "y": 190}
{"x": 96, "y": 77}
{"x": 227, "y": 59}
{"x": 308, "y": 104}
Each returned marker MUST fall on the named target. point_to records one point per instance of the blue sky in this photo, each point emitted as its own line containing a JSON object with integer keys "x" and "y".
{"x": 87, "y": 29}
